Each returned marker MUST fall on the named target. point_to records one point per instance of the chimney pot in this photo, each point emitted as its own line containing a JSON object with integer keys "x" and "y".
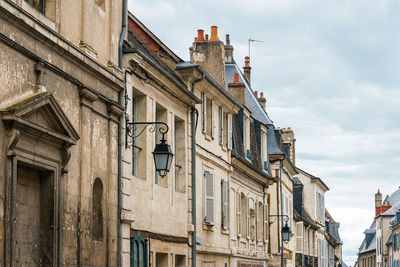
{"x": 214, "y": 33}
{"x": 195, "y": 39}
{"x": 200, "y": 35}
{"x": 228, "y": 41}
{"x": 206, "y": 37}
{"x": 236, "y": 77}
{"x": 289, "y": 128}
{"x": 261, "y": 95}
{"x": 256, "y": 93}
{"x": 247, "y": 62}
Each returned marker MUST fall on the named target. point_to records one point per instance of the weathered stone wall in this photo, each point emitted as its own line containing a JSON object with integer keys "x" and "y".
{"x": 95, "y": 154}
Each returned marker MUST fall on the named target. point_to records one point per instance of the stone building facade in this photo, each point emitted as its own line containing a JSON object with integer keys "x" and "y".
{"x": 59, "y": 115}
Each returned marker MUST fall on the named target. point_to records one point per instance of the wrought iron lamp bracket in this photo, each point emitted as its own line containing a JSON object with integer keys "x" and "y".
{"x": 285, "y": 218}
{"x": 131, "y": 128}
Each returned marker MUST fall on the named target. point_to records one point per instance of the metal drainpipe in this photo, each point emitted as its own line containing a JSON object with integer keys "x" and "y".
{"x": 281, "y": 196}
{"x": 194, "y": 117}
{"x": 120, "y": 94}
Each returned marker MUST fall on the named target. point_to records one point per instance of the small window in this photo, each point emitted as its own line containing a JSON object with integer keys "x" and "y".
{"x": 138, "y": 252}
{"x": 97, "y": 213}
{"x": 210, "y": 123}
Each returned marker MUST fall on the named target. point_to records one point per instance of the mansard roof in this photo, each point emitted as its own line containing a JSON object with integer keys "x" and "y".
{"x": 252, "y": 103}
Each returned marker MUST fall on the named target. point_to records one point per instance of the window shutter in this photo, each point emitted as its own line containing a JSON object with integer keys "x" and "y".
{"x": 299, "y": 237}
{"x": 209, "y": 191}
{"x": 229, "y": 131}
{"x": 248, "y": 218}
{"x": 323, "y": 207}
{"x": 212, "y": 119}
{"x": 266, "y": 224}
{"x": 238, "y": 209}
{"x": 221, "y": 125}
{"x": 204, "y": 112}
{"x": 224, "y": 204}
{"x": 317, "y": 207}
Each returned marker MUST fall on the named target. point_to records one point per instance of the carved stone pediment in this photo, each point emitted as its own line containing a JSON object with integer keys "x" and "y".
{"x": 39, "y": 116}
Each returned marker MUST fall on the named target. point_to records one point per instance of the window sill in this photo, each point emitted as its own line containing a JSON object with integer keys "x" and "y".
{"x": 207, "y": 137}
{"x": 208, "y": 227}
{"x": 225, "y": 231}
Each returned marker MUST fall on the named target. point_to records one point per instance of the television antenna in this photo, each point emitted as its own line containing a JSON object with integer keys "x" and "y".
{"x": 253, "y": 40}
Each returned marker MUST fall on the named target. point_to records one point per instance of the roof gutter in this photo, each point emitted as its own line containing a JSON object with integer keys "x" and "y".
{"x": 154, "y": 64}
{"x": 213, "y": 82}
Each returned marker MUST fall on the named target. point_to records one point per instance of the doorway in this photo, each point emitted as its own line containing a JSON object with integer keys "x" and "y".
{"x": 35, "y": 224}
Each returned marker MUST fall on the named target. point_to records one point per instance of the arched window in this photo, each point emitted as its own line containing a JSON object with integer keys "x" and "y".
{"x": 97, "y": 213}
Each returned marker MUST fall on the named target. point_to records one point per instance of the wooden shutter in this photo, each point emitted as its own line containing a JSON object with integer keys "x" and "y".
{"x": 238, "y": 213}
{"x": 209, "y": 197}
{"x": 204, "y": 112}
{"x": 229, "y": 141}
{"x": 299, "y": 237}
{"x": 323, "y": 207}
{"x": 224, "y": 204}
{"x": 317, "y": 207}
{"x": 221, "y": 125}
{"x": 266, "y": 223}
{"x": 248, "y": 217}
{"x": 212, "y": 119}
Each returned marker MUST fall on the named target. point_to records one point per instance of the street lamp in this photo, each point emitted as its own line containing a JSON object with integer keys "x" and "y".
{"x": 162, "y": 153}
{"x": 162, "y": 157}
{"x": 286, "y": 233}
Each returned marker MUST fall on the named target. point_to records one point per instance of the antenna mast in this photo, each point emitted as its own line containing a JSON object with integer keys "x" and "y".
{"x": 252, "y": 40}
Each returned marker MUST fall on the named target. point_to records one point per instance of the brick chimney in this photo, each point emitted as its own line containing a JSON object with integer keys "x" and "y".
{"x": 247, "y": 68}
{"x": 210, "y": 54}
{"x": 289, "y": 143}
{"x": 237, "y": 89}
{"x": 381, "y": 207}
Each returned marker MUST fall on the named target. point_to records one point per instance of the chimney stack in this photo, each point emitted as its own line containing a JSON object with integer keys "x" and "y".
{"x": 289, "y": 142}
{"x": 237, "y": 89}
{"x": 378, "y": 203}
{"x": 209, "y": 53}
{"x": 228, "y": 49}
{"x": 262, "y": 101}
{"x": 206, "y": 37}
{"x": 247, "y": 68}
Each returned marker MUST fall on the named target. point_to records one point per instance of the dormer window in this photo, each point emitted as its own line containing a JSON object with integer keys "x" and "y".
{"x": 246, "y": 136}
{"x": 263, "y": 150}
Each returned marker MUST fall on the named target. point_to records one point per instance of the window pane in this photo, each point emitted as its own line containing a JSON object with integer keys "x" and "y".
{"x": 141, "y": 256}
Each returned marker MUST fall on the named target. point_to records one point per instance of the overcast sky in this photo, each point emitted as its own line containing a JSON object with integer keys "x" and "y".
{"x": 329, "y": 69}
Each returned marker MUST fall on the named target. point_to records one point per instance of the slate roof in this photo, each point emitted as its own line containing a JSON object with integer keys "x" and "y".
{"x": 238, "y": 148}
{"x": 334, "y": 231}
{"x": 251, "y": 102}
{"x": 369, "y": 243}
{"x": 272, "y": 141}
{"x": 394, "y": 198}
